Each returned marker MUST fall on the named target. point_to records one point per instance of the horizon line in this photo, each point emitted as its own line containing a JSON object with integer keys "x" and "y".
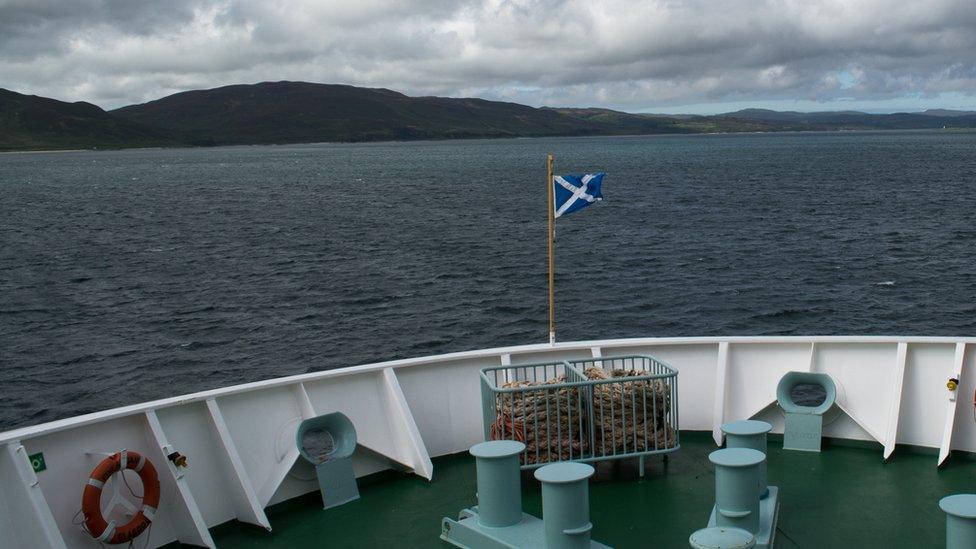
{"x": 663, "y": 111}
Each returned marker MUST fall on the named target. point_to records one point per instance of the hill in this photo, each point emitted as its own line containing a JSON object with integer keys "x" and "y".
{"x": 855, "y": 120}
{"x": 621, "y": 122}
{"x": 29, "y": 122}
{"x": 299, "y": 112}
{"x": 947, "y": 112}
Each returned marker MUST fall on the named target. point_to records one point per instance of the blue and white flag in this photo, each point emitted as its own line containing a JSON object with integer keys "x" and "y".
{"x": 575, "y": 192}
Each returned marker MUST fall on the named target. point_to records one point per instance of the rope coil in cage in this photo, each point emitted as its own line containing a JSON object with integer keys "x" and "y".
{"x": 602, "y": 413}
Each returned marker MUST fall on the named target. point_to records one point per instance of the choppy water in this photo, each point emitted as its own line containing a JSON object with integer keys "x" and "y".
{"x": 126, "y": 276}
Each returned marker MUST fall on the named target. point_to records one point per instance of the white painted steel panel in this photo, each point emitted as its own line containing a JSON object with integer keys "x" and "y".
{"x": 207, "y": 475}
{"x": 27, "y": 519}
{"x": 863, "y": 373}
{"x": 440, "y": 395}
{"x": 441, "y": 398}
{"x": 755, "y": 371}
{"x": 928, "y": 368}
{"x": 964, "y": 427}
{"x": 69, "y": 463}
{"x": 263, "y": 425}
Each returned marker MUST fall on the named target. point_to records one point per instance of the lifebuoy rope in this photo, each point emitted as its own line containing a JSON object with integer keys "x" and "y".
{"x": 108, "y": 531}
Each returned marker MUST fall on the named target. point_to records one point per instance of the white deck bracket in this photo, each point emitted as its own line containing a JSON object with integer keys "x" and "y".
{"x": 867, "y": 428}
{"x": 950, "y": 416}
{"x": 718, "y": 412}
{"x": 404, "y": 425}
{"x": 45, "y": 529}
{"x": 195, "y": 530}
{"x": 285, "y": 462}
{"x": 247, "y": 508}
{"x": 894, "y": 408}
{"x": 286, "y": 451}
{"x": 304, "y": 402}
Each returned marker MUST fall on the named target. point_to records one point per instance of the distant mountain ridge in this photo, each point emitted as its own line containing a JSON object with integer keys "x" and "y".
{"x": 301, "y": 112}
{"x": 947, "y": 112}
{"x": 295, "y": 112}
{"x": 833, "y": 120}
{"x": 30, "y": 122}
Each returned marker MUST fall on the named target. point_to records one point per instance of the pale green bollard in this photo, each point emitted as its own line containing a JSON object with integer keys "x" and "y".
{"x": 960, "y": 512}
{"x": 749, "y": 434}
{"x": 722, "y": 538}
{"x": 498, "y": 520}
{"x": 499, "y": 482}
{"x": 737, "y": 487}
{"x": 566, "y": 504}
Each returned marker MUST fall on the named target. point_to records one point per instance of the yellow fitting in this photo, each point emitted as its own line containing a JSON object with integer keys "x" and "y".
{"x": 952, "y": 384}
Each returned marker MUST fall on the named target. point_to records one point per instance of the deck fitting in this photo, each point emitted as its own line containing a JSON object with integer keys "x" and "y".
{"x": 804, "y": 424}
{"x": 722, "y": 538}
{"x": 498, "y": 521}
{"x": 751, "y": 434}
{"x": 337, "y": 480}
{"x": 737, "y": 490}
{"x": 960, "y": 512}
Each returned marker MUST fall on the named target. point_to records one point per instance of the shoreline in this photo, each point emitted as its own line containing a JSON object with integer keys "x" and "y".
{"x": 44, "y": 151}
{"x": 489, "y": 138}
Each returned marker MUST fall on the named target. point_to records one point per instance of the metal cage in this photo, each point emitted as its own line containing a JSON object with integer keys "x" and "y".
{"x": 583, "y": 410}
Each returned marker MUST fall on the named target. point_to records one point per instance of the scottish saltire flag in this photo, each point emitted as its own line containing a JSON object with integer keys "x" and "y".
{"x": 575, "y": 192}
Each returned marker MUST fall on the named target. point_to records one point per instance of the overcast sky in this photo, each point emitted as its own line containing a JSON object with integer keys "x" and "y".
{"x": 700, "y": 56}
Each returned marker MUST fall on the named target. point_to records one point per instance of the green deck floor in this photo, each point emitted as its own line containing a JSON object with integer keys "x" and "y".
{"x": 843, "y": 497}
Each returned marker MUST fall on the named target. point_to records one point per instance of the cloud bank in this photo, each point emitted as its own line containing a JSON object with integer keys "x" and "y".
{"x": 631, "y": 55}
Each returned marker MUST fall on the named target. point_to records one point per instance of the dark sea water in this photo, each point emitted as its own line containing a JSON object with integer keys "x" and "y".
{"x": 127, "y": 276}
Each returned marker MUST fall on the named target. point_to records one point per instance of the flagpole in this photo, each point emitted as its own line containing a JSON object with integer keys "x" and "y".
{"x": 552, "y": 252}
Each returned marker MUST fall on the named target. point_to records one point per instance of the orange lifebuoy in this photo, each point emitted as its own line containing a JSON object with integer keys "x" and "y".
{"x": 91, "y": 499}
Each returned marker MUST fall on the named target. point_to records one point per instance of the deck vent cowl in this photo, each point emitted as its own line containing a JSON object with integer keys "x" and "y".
{"x": 804, "y": 424}
{"x": 328, "y": 443}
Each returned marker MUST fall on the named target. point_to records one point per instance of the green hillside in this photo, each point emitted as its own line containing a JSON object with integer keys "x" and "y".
{"x": 29, "y": 122}
{"x": 301, "y": 112}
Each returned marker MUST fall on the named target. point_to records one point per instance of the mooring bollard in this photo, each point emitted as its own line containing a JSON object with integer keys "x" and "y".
{"x": 960, "y": 512}
{"x": 718, "y": 537}
{"x": 499, "y": 482}
{"x": 737, "y": 487}
{"x": 498, "y": 520}
{"x": 749, "y": 434}
{"x": 566, "y": 504}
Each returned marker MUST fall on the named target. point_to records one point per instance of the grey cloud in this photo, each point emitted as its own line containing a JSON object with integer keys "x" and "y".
{"x": 635, "y": 55}
{"x": 31, "y": 27}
